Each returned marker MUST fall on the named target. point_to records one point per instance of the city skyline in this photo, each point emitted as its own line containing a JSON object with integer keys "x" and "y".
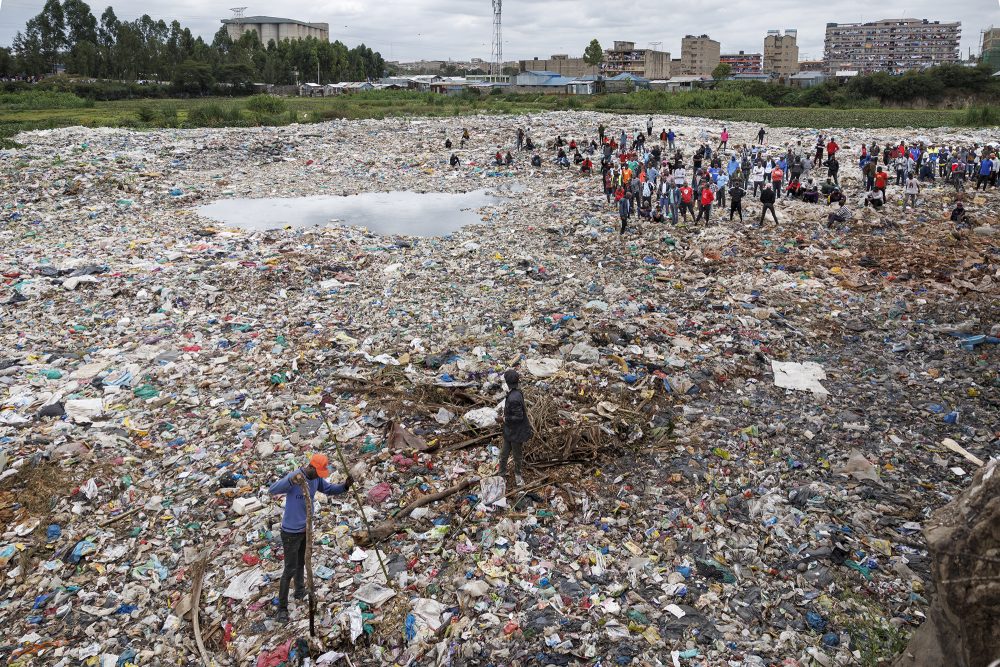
{"x": 460, "y": 31}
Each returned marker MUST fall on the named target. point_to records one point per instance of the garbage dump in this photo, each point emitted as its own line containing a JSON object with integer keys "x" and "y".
{"x": 961, "y": 622}
{"x": 741, "y": 430}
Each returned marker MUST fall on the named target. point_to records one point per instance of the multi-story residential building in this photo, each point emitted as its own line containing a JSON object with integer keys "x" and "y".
{"x": 743, "y": 63}
{"x": 699, "y": 55}
{"x": 890, "y": 45}
{"x": 269, "y": 28}
{"x": 559, "y": 63}
{"x": 781, "y": 53}
{"x": 991, "y": 46}
{"x": 624, "y": 58}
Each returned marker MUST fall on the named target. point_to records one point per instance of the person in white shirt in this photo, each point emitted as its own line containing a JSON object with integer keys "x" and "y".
{"x": 875, "y": 199}
{"x": 910, "y": 192}
{"x": 680, "y": 175}
{"x": 757, "y": 178}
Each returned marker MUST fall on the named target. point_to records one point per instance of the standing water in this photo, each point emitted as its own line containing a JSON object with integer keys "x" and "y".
{"x": 405, "y": 213}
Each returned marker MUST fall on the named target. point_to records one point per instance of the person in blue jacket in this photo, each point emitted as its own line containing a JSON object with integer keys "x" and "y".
{"x": 293, "y": 522}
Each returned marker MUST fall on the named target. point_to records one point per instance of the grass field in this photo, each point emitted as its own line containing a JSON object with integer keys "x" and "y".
{"x": 152, "y": 113}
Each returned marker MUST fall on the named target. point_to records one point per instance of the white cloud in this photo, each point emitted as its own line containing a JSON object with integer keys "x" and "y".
{"x": 460, "y": 29}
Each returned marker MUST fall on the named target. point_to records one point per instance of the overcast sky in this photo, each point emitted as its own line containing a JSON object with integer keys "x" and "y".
{"x": 461, "y": 29}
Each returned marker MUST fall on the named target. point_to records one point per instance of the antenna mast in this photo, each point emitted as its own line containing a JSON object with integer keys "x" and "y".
{"x": 238, "y": 13}
{"x": 497, "y": 55}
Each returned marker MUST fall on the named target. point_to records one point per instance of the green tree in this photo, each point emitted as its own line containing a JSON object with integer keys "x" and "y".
{"x": 593, "y": 55}
{"x": 81, "y": 26}
{"x": 194, "y": 77}
{"x": 51, "y": 26}
{"x": 722, "y": 71}
{"x": 7, "y": 64}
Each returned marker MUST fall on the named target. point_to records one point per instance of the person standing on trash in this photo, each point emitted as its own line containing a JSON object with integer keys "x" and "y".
{"x": 293, "y": 522}
{"x": 516, "y": 426}
{"x": 760, "y": 137}
{"x": 767, "y": 199}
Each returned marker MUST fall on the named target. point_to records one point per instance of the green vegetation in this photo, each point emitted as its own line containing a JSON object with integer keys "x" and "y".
{"x": 67, "y": 33}
{"x": 27, "y": 111}
{"x": 42, "y": 99}
{"x": 878, "y": 641}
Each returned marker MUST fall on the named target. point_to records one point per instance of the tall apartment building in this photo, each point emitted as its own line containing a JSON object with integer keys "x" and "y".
{"x": 781, "y": 53}
{"x": 743, "y": 63}
{"x": 699, "y": 55}
{"x": 890, "y": 45}
{"x": 625, "y": 58}
{"x": 270, "y": 28}
{"x": 991, "y": 47}
{"x": 560, "y": 64}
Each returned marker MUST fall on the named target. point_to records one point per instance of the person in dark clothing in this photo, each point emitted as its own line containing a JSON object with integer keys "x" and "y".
{"x": 833, "y": 169}
{"x": 508, "y": 159}
{"x": 767, "y": 203}
{"x": 293, "y": 522}
{"x": 516, "y": 426}
{"x": 760, "y": 137}
{"x": 536, "y": 160}
{"x": 958, "y": 214}
{"x": 454, "y": 160}
{"x": 624, "y": 208}
{"x": 447, "y": 143}
{"x": 736, "y": 194}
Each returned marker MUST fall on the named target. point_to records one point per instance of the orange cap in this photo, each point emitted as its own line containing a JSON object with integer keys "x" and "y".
{"x": 320, "y": 463}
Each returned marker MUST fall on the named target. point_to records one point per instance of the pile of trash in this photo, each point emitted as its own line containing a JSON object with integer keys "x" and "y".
{"x": 741, "y": 430}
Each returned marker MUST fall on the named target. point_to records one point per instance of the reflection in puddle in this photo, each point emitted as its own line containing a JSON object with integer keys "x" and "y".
{"x": 404, "y": 213}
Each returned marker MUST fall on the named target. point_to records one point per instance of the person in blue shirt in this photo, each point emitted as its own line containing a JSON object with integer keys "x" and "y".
{"x": 732, "y": 166}
{"x": 670, "y": 138}
{"x": 722, "y": 182}
{"x": 293, "y": 522}
{"x": 985, "y": 169}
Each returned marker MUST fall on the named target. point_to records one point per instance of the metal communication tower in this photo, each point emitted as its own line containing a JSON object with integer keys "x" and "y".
{"x": 496, "y": 68}
{"x": 238, "y": 13}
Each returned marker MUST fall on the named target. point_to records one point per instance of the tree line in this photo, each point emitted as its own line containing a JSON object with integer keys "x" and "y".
{"x": 68, "y": 34}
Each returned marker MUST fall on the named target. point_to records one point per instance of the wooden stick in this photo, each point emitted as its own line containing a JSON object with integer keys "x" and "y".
{"x": 115, "y": 519}
{"x": 433, "y": 497}
{"x": 198, "y": 578}
{"x": 357, "y": 498}
{"x": 387, "y": 528}
{"x": 466, "y": 443}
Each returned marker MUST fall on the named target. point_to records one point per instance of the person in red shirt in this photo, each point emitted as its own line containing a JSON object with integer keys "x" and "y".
{"x": 831, "y": 148}
{"x": 705, "y": 202}
{"x": 687, "y": 201}
{"x": 881, "y": 179}
{"x": 777, "y": 177}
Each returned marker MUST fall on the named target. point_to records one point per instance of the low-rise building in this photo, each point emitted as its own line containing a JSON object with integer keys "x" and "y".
{"x": 805, "y": 79}
{"x": 781, "y": 53}
{"x": 624, "y": 58}
{"x": 699, "y": 55}
{"x": 271, "y": 28}
{"x": 559, "y": 63}
{"x": 743, "y": 63}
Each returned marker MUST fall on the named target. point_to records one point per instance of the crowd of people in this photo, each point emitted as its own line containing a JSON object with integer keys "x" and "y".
{"x": 653, "y": 179}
